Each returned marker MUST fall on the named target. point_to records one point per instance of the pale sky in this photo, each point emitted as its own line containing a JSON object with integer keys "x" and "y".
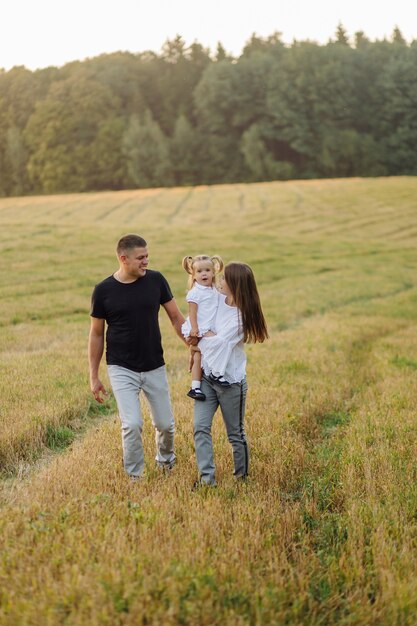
{"x": 39, "y": 33}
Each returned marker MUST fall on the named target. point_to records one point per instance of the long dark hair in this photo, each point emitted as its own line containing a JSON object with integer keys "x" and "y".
{"x": 241, "y": 282}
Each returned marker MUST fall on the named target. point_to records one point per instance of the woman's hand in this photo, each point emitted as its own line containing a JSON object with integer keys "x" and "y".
{"x": 209, "y": 333}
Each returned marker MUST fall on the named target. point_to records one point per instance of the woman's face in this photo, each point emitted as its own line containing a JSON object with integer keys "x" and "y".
{"x": 224, "y": 287}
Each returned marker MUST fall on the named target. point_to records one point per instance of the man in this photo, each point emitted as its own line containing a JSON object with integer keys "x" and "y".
{"x": 129, "y": 301}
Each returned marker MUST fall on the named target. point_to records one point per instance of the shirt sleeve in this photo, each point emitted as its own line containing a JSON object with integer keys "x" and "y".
{"x": 97, "y": 308}
{"x": 230, "y": 331}
{"x": 221, "y": 344}
{"x": 193, "y": 296}
{"x": 166, "y": 293}
{"x": 216, "y": 352}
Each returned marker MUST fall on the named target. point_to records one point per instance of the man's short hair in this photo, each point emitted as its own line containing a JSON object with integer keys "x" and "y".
{"x": 128, "y": 242}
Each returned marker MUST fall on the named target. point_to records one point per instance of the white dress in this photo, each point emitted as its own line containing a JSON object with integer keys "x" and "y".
{"x": 224, "y": 353}
{"x": 207, "y": 300}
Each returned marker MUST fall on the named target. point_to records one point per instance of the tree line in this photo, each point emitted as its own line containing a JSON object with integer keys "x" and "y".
{"x": 186, "y": 116}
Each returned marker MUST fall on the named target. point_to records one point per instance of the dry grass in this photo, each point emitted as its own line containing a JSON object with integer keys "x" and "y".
{"x": 325, "y": 531}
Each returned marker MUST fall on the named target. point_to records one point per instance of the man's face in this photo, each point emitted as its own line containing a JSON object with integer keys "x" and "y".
{"x": 136, "y": 262}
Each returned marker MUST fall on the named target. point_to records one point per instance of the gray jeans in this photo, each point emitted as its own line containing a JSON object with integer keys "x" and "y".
{"x": 232, "y": 402}
{"x": 127, "y": 386}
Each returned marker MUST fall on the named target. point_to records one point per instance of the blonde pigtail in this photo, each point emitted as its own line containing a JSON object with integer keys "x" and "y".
{"x": 217, "y": 263}
{"x": 187, "y": 265}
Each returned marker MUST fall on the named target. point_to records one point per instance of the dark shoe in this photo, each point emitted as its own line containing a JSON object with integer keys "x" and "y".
{"x": 200, "y": 484}
{"x": 136, "y": 479}
{"x": 219, "y": 380}
{"x": 165, "y": 468}
{"x": 196, "y": 394}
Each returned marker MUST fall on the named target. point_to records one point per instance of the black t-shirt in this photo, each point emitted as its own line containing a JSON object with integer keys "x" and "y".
{"x": 133, "y": 338}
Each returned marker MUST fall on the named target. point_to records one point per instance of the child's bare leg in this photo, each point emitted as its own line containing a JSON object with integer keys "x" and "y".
{"x": 196, "y": 368}
{"x": 196, "y": 375}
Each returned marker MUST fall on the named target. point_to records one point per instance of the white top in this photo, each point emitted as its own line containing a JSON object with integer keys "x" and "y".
{"x": 224, "y": 354}
{"x": 206, "y": 299}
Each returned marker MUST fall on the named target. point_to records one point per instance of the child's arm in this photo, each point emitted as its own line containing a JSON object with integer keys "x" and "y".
{"x": 192, "y": 312}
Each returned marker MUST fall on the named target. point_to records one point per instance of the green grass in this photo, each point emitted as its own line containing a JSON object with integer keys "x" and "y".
{"x": 59, "y": 438}
{"x": 402, "y": 361}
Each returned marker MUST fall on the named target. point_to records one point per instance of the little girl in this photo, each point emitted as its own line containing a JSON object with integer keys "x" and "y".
{"x": 203, "y": 299}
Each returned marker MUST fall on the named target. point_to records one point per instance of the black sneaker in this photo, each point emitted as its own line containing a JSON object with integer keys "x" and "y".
{"x": 200, "y": 484}
{"x": 196, "y": 394}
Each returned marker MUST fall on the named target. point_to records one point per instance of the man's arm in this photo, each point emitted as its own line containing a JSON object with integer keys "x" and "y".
{"x": 176, "y": 317}
{"x": 95, "y": 353}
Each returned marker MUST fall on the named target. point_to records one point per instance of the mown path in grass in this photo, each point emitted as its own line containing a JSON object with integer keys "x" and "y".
{"x": 325, "y": 530}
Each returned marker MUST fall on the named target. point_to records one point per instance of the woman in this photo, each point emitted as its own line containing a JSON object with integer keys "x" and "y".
{"x": 239, "y": 320}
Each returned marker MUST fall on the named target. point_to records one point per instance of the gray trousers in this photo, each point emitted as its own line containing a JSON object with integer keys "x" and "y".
{"x": 127, "y": 386}
{"x": 232, "y": 402}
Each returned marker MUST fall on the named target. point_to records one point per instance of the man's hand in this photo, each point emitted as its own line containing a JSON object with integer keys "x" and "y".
{"x": 97, "y": 389}
{"x": 95, "y": 352}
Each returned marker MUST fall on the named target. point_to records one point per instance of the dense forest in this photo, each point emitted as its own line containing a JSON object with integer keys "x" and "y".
{"x": 188, "y": 116}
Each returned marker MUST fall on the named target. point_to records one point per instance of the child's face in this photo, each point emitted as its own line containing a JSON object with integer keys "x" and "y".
{"x": 203, "y": 273}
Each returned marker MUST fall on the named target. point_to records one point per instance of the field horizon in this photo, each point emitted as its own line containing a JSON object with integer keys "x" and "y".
{"x": 325, "y": 530}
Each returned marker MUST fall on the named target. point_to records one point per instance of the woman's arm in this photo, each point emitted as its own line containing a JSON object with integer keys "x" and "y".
{"x": 230, "y": 331}
{"x": 217, "y": 349}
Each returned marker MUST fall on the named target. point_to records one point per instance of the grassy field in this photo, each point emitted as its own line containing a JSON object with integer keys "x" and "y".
{"x": 325, "y": 530}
